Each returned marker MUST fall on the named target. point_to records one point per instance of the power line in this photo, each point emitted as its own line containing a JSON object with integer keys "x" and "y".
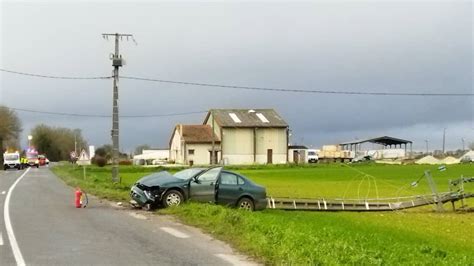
{"x": 51, "y": 77}
{"x": 300, "y": 90}
{"x": 370, "y": 93}
{"x": 104, "y": 116}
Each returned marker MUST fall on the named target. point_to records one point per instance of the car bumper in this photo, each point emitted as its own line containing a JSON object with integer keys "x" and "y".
{"x": 139, "y": 196}
{"x": 260, "y": 204}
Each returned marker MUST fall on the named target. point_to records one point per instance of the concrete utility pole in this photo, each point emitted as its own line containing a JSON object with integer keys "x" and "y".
{"x": 427, "y": 150}
{"x": 463, "y": 146}
{"x": 434, "y": 191}
{"x": 116, "y": 63}
{"x": 213, "y": 151}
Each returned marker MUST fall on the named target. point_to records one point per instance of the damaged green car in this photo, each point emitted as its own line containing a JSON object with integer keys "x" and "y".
{"x": 213, "y": 185}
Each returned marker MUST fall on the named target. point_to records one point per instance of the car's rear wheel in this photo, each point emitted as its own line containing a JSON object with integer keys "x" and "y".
{"x": 172, "y": 198}
{"x": 246, "y": 204}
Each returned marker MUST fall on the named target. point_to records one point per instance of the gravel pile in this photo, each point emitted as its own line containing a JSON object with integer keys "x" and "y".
{"x": 450, "y": 160}
{"x": 428, "y": 160}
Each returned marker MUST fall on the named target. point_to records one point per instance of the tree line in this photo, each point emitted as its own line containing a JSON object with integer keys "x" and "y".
{"x": 55, "y": 142}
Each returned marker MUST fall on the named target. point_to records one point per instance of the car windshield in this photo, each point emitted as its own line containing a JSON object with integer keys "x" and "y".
{"x": 11, "y": 157}
{"x": 311, "y": 153}
{"x": 187, "y": 173}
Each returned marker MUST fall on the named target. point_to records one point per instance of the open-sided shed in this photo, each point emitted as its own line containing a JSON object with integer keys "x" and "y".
{"x": 386, "y": 142}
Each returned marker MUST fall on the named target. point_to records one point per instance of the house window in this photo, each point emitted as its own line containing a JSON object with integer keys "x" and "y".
{"x": 191, "y": 152}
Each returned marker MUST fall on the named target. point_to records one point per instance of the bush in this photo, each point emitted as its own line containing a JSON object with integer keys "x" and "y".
{"x": 125, "y": 162}
{"x": 100, "y": 161}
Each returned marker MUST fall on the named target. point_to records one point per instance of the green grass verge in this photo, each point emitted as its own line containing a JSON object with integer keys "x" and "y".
{"x": 415, "y": 237}
{"x": 333, "y": 238}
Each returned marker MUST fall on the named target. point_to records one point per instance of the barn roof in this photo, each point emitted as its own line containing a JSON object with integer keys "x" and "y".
{"x": 246, "y": 118}
{"x": 194, "y": 134}
{"x": 297, "y": 147}
{"x": 385, "y": 140}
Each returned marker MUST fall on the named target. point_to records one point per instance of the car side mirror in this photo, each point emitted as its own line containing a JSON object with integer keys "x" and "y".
{"x": 196, "y": 180}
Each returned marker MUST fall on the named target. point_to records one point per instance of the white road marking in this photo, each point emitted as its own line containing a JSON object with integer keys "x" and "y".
{"x": 174, "y": 232}
{"x": 1, "y": 239}
{"x": 8, "y": 225}
{"x": 234, "y": 260}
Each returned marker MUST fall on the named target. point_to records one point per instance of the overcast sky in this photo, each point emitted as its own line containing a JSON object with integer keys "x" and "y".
{"x": 399, "y": 46}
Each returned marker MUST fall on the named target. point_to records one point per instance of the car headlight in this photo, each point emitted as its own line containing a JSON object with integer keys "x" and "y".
{"x": 149, "y": 195}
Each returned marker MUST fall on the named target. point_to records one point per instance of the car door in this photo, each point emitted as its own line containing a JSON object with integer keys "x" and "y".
{"x": 203, "y": 187}
{"x": 228, "y": 190}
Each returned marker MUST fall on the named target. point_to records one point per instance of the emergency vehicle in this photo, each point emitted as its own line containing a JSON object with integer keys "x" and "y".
{"x": 11, "y": 160}
{"x": 32, "y": 157}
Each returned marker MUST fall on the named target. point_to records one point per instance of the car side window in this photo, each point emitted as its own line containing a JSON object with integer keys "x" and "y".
{"x": 210, "y": 175}
{"x": 240, "y": 181}
{"x": 228, "y": 179}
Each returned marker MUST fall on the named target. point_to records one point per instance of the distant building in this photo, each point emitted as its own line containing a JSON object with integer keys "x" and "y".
{"x": 154, "y": 156}
{"x": 192, "y": 144}
{"x": 297, "y": 154}
{"x": 249, "y": 136}
{"x": 237, "y": 136}
{"x": 384, "y": 147}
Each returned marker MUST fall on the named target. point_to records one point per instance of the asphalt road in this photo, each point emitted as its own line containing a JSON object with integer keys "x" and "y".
{"x": 49, "y": 230}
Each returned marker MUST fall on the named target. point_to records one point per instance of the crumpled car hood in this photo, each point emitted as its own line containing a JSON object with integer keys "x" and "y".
{"x": 159, "y": 179}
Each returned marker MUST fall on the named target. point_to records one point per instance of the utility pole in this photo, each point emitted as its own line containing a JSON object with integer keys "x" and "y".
{"x": 75, "y": 143}
{"x": 463, "y": 147}
{"x": 117, "y": 62}
{"x": 426, "y": 146}
{"x": 213, "y": 151}
{"x": 444, "y": 139}
{"x": 434, "y": 191}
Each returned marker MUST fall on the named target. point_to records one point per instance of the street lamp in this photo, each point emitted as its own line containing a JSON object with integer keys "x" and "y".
{"x": 29, "y": 140}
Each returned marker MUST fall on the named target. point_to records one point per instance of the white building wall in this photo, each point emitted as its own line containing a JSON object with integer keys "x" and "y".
{"x": 202, "y": 155}
{"x": 274, "y": 139}
{"x": 217, "y": 129}
{"x": 237, "y": 145}
{"x": 303, "y": 154}
{"x": 176, "y": 148}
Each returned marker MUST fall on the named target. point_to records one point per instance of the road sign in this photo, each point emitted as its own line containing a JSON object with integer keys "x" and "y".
{"x": 83, "y": 158}
{"x": 72, "y": 154}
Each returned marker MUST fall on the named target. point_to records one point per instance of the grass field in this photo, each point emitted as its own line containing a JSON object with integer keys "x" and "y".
{"x": 415, "y": 237}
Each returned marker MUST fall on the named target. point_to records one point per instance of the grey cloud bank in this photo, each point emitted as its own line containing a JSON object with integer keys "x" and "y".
{"x": 365, "y": 46}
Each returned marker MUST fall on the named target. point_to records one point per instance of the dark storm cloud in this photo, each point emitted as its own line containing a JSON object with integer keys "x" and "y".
{"x": 368, "y": 46}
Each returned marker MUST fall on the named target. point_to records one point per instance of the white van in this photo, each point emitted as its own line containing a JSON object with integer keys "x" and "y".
{"x": 312, "y": 156}
{"x": 11, "y": 160}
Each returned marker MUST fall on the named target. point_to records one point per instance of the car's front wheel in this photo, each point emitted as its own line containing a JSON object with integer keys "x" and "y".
{"x": 172, "y": 198}
{"x": 246, "y": 204}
